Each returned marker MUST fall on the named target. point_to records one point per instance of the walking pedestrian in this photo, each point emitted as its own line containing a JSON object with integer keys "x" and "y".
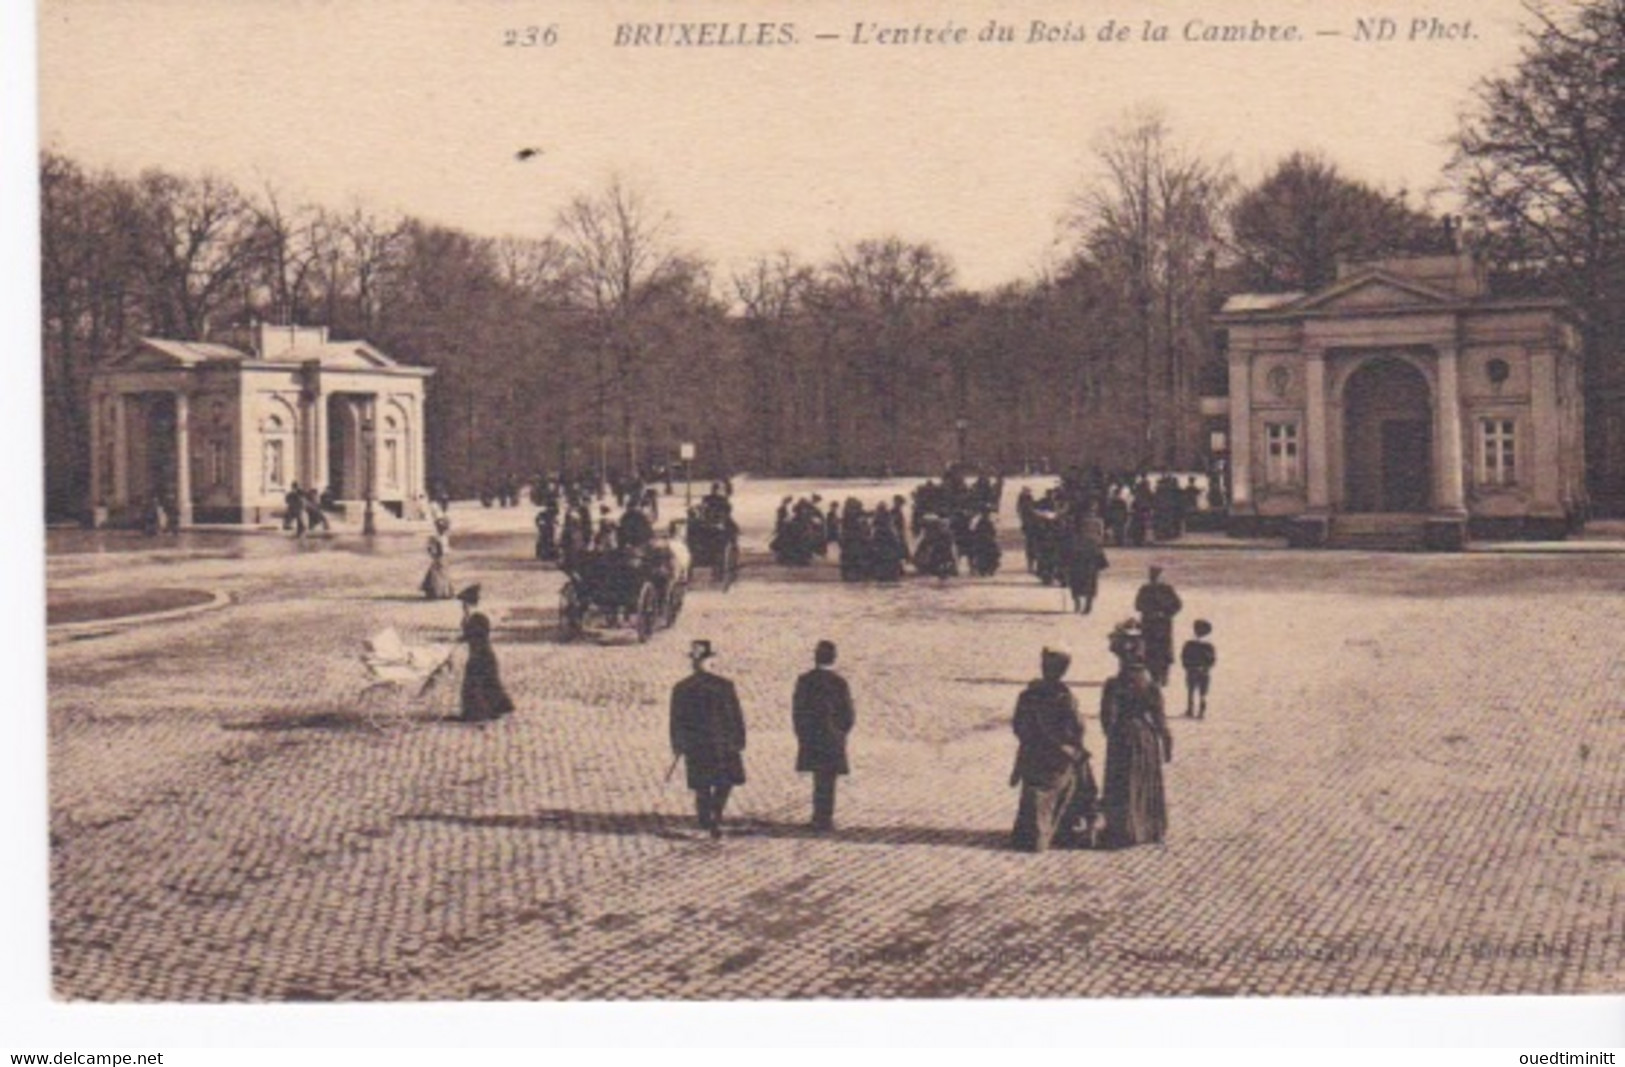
{"x": 484, "y": 698}
{"x": 1050, "y": 761}
{"x": 1198, "y": 657}
{"x": 1138, "y": 743}
{"x": 1158, "y": 603}
{"x": 708, "y": 734}
{"x": 823, "y": 716}
{"x": 436, "y": 584}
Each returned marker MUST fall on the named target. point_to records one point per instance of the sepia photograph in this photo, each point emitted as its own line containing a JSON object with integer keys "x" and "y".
{"x": 551, "y": 502}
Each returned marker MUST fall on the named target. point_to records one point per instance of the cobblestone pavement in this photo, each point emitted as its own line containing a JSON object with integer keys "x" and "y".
{"x": 1410, "y": 781}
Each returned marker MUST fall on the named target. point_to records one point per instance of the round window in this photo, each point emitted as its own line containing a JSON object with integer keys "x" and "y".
{"x": 1498, "y": 371}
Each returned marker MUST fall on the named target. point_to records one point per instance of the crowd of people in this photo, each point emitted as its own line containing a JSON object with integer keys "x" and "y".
{"x": 945, "y": 525}
{"x": 582, "y": 516}
{"x": 1061, "y": 801}
{"x": 1133, "y": 508}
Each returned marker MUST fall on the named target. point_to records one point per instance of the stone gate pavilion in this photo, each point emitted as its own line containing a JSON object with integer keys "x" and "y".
{"x": 221, "y": 434}
{"x": 1405, "y": 400}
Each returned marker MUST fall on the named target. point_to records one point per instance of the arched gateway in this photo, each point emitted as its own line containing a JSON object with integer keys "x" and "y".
{"x": 1404, "y": 403}
{"x": 1387, "y": 439}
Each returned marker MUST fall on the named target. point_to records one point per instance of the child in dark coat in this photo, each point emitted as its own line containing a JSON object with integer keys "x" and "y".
{"x": 1198, "y": 657}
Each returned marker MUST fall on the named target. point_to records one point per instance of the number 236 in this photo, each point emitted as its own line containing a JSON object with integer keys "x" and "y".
{"x": 531, "y": 36}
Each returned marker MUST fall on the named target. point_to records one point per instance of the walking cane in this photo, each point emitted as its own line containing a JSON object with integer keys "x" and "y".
{"x": 673, "y": 768}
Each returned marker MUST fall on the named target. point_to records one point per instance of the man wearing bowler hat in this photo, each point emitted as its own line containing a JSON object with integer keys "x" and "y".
{"x": 708, "y": 733}
{"x": 822, "y": 715}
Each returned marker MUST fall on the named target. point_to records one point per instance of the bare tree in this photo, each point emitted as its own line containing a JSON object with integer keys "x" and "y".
{"x": 771, "y": 294}
{"x": 619, "y": 259}
{"x": 886, "y": 288}
{"x": 197, "y": 243}
{"x": 1154, "y": 226}
{"x": 1540, "y": 159}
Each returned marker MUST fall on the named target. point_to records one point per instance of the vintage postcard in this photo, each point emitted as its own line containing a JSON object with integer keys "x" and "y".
{"x": 552, "y": 501}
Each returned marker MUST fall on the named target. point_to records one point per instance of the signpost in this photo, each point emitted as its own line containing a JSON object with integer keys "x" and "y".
{"x": 685, "y": 452}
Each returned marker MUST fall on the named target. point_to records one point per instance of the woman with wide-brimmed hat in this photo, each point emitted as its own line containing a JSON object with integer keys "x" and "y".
{"x": 1137, "y": 745}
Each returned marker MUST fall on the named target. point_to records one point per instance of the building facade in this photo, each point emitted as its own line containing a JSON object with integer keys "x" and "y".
{"x": 1406, "y": 400}
{"x": 220, "y": 434}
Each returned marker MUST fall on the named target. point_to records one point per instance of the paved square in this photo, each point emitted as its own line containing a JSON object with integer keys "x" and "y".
{"x": 1410, "y": 781}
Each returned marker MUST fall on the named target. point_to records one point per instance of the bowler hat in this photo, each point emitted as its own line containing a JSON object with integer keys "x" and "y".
{"x": 1203, "y": 627}
{"x": 824, "y": 653}
{"x": 700, "y": 649}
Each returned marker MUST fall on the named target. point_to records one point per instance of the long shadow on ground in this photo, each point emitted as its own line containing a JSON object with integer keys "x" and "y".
{"x": 682, "y": 827}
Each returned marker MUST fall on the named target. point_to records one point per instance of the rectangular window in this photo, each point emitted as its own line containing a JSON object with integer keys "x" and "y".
{"x": 1281, "y": 455}
{"x": 1498, "y": 450}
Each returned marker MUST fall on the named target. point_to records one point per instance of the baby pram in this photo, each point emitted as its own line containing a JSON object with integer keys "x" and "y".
{"x": 400, "y": 673}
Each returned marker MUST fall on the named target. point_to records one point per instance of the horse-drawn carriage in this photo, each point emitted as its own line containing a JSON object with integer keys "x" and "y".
{"x": 641, "y": 588}
{"x": 713, "y": 542}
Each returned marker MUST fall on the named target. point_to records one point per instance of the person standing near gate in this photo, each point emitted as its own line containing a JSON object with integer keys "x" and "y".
{"x": 708, "y": 734}
{"x": 822, "y": 715}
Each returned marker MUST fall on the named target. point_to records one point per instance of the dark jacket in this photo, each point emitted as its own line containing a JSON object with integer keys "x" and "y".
{"x": 708, "y": 730}
{"x": 1047, "y": 725}
{"x": 822, "y": 715}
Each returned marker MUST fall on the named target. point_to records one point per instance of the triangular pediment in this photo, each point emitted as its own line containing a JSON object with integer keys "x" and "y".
{"x": 154, "y": 353}
{"x": 1373, "y": 290}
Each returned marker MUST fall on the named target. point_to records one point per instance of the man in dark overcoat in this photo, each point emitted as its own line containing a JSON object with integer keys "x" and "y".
{"x": 1158, "y": 603}
{"x": 822, "y": 715}
{"x": 708, "y": 733}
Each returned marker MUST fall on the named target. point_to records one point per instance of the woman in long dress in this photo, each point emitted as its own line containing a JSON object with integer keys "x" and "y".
{"x": 436, "y": 583}
{"x": 1051, "y": 764}
{"x": 1137, "y": 745}
{"x": 483, "y": 696}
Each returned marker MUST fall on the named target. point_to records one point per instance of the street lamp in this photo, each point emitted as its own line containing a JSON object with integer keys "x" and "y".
{"x": 961, "y": 425}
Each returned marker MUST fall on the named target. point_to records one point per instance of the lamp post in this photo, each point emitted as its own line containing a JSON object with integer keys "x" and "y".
{"x": 961, "y": 425}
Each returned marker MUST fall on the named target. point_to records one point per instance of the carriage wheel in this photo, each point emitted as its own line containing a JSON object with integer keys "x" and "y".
{"x": 572, "y": 612}
{"x": 728, "y": 568}
{"x": 648, "y": 610}
{"x": 674, "y": 602}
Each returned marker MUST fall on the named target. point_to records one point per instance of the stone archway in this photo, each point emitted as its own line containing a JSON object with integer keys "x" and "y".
{"x": 1387, "y": 438}
{"x": 345, "y": 473}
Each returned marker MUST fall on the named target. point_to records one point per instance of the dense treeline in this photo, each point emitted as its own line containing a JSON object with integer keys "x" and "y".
{"x": 607, "y": 343}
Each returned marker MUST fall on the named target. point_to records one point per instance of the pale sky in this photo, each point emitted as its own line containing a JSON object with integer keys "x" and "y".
{"x": 419, "y": 107}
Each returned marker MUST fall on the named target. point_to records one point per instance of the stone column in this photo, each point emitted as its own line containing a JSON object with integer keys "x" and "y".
{"x": 97, "y": 405}
{"x": 316, "y": 428}
{"x": 121, "y": 451}
{"x": 1540, "y": 465}
{"x": 183, "y": 460}
{"x": 1241, "y": 431}
{"x": 415, "y": 444}
{"x": 1314, "y": 428}
{"x": 1447, "y": 427}
{"x": 374, "y": 472}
